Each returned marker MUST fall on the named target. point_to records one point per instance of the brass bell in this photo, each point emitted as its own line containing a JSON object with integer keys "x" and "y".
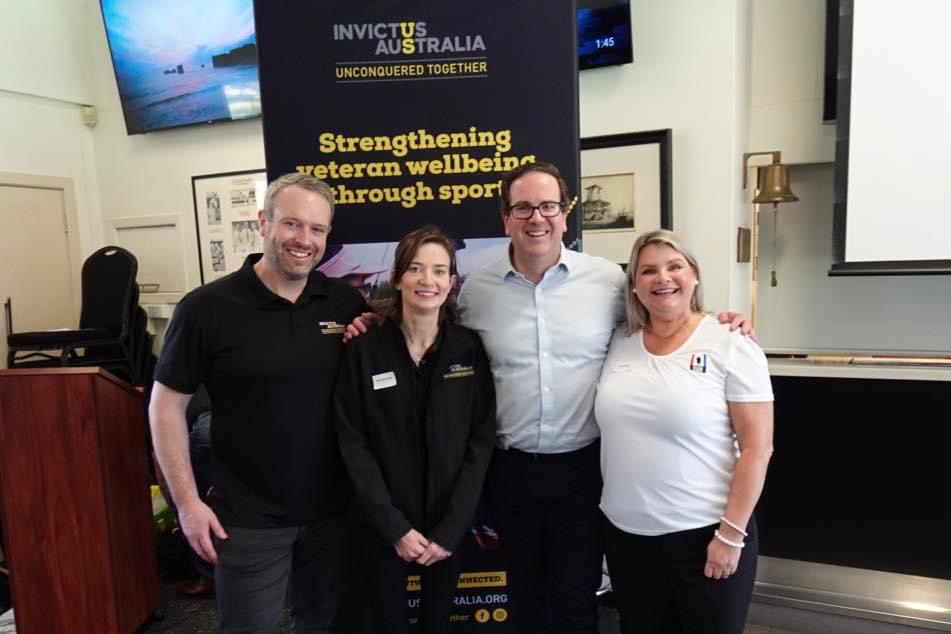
{"x": 774, "y": 185}
{"x": 773, "y": 180}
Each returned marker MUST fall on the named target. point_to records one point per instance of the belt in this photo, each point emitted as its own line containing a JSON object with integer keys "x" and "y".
{"x": 553, "y": 457}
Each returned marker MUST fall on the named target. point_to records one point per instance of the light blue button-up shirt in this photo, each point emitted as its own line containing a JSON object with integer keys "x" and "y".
{"x": 546, "y": 343}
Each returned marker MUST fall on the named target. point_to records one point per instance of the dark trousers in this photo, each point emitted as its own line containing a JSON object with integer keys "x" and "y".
{"x": 545, "y": 507}
{"x": 386, "y": 577}
{"x": 659, "y": 587}
{"x": 256, "y": 564}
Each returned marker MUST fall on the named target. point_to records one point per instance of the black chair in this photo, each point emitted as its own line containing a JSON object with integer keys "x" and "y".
{"x": 110, "y": 324}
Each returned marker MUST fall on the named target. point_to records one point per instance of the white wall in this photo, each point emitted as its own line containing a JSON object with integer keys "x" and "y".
{"x": 43, "y": 81}
{"x": 693, "y": 72}
{"x": 808, "y": 311}
{"x": 42, "y": 48}
{"x": 688, "y": 74}
{"x": 787, "y": 73}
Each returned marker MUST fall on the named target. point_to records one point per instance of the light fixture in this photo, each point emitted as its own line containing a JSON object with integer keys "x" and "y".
{"x": 772, "y": 187}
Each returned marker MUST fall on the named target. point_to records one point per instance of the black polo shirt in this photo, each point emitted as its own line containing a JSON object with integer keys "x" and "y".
{"x": 270, "y": 367}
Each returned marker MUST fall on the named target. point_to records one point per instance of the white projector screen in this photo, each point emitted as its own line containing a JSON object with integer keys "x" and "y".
{"x": 893, "y": 160}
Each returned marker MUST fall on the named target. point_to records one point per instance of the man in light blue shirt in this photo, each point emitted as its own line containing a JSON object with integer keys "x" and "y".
{"x": 545, "y": 315}
{"x": 547, "y": 341}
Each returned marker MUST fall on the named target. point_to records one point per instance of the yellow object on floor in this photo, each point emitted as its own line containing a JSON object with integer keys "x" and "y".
{"x": 162, "y": 516}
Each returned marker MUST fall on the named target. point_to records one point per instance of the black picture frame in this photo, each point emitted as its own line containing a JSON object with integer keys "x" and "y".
{"x": 237, "y": 197}
{"x": 655, "y": 165}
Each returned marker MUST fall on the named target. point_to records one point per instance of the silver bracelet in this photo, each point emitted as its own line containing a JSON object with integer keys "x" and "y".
{"x": 716, "y": 533}
{"x": 734, "y": 526}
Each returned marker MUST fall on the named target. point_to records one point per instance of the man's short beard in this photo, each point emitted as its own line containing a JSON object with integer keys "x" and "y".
{"x": 293, "y": 277}
{"x": 290, "y": 276}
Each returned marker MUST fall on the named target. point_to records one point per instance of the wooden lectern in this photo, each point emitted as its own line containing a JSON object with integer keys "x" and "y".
{"x": 74, "y": 500}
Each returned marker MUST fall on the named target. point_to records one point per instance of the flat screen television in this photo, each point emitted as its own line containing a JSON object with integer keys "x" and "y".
{"x": 604, "y": 33}
{"x": 182, "y": 62}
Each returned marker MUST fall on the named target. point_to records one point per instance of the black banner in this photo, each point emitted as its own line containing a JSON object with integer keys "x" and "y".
{"x": 412, "y": 111}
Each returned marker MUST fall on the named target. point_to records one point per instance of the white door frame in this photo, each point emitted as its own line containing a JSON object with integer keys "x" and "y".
{"x": 64, "y": 185}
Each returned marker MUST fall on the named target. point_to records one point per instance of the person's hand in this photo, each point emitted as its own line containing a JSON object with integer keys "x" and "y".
{"x": 433, "y": 553}
{"x": 411, "y": 546}
{"x": 359, "y": 325}
{"x": 737, "y": 320}
{"x": 197, "y": 522}
{"x": 722, "y": 560}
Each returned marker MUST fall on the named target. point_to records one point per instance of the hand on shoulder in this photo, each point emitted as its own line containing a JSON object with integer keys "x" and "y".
{"x": 738, "y": 320}
{"x": 360, "y": 325}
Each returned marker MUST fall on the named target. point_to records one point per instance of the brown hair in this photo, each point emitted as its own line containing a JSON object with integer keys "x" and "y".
{"x": 406, "y": 250}
{"x": 539, "y": 166}
{"x": 306, "y": 181}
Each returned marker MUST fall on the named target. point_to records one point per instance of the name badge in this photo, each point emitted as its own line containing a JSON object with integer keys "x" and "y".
{"x": 384, "y": 380}
{"x": 331, "y": 328}
{"x": 623, "y": 367}
{"x": 698, "y": 362}
{"x": 457, "y": 370}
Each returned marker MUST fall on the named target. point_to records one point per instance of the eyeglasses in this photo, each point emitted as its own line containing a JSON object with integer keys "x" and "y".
{"x": 524, "y": 211}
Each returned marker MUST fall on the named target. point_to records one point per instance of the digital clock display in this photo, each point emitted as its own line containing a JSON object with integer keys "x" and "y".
{"x": 604, "y": 33}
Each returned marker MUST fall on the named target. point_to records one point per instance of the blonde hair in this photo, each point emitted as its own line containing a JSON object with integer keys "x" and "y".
{"x": 637, "y": 315}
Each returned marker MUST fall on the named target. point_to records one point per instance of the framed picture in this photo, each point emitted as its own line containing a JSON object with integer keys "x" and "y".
{"x": 625, "y": 190}
{"x": 608, "y": 202}
{"x": 226, "y": 219}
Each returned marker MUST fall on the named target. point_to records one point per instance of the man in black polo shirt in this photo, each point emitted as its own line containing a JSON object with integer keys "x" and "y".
{"x": 266, "y": 341}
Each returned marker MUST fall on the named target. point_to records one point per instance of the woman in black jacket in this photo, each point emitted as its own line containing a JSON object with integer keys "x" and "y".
{"x": 415, "y": 409}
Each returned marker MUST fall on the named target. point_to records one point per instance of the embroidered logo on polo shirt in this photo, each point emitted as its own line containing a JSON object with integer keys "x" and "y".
{"x": 331, "y": 328}
{"x": 698, "y": 362}
{"x": 457, "y": 371}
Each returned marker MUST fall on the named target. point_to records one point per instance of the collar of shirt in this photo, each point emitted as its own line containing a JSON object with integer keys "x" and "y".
{"x": 506, "y": 269}
{"x": 262, "y": 296}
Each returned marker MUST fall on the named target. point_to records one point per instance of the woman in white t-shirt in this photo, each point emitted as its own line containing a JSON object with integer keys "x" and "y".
{"x": 686, "y": 416}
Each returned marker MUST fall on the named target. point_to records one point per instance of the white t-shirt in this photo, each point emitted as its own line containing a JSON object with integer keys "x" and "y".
{"x": 668, "y": 450}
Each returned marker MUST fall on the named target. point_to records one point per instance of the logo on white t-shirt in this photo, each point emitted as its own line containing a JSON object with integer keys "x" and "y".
{"x": 698, "y": 362}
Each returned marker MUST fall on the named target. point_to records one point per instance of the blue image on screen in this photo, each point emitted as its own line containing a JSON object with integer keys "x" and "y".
{"x": 604, "y": 33}
{"x": 180, "y": 62}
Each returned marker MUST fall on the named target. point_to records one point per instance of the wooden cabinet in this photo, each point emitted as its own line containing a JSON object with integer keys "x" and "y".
{"x": 74, "y": 501}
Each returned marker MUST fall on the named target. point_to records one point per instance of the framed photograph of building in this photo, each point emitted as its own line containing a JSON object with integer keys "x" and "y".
{"x": 607, "y": 203}
{"x": 625, "y": 190}
{"x": 226, "y": 219}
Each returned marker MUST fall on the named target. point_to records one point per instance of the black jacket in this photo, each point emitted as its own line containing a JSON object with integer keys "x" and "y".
{"x": 380, "y": 435}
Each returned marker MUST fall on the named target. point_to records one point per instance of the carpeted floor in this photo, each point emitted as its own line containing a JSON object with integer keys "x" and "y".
{"x": 179, "y": 614}
{"x": 183, "y": 614}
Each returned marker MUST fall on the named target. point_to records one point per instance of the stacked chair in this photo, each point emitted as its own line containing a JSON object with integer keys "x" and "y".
{"x": 112, "y": 329}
